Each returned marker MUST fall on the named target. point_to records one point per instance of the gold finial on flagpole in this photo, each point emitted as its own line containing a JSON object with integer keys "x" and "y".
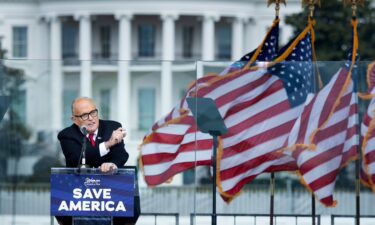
{"x": 277, "y": 5}
{"x": 354, "y": 4}
{"x": 311, "y": 4}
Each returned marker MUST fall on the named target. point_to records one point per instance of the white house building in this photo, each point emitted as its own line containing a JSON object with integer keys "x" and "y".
{"x": 134, "y": 57}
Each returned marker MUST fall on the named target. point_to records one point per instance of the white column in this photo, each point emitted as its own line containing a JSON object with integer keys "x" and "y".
{"x": 237, "y": 37}
{"x": 85, "y": 53}
{"x": 56, "y": 81}
{"x": 168, "y": 40}
{"x": 199, "y": 69}
{"x": 43, "y": 28}
{"x": 168, "y": 35}
{"x": 208, "y": 30}
{"x": 253, "y": 35}
{"x": 168, "y": 46}
{"x": 124, "y": 75}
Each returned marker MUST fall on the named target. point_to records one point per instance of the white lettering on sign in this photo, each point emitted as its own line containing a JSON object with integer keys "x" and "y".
{"x": 77, "y": 193}
{"x": 95, "y": 206}
{"x": 92, "y": 193}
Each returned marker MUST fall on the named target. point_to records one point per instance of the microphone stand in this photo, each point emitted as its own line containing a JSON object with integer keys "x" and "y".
{"x": 82, "y": 157}
{"x": 83, "y": 154}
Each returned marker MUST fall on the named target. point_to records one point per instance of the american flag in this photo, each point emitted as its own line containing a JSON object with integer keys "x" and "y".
{"x": 324, "y": 137}
{"x": 368, "y": 133}
{"x": 260, "y": 121}
{"x": 174, "y": 143}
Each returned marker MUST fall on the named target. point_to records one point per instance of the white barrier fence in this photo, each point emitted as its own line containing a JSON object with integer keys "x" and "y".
{"x": 34, "y": 201}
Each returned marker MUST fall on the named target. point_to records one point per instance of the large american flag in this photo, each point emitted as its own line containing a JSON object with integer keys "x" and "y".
{"x": 324, "y": 137}
{"x": 174, "y": 143}
{"x": 368, "y": 133}
{"x": 260, "y": 121}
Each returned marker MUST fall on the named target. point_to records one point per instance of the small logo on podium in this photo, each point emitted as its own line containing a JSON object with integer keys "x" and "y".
{"x": 91, "y": 182}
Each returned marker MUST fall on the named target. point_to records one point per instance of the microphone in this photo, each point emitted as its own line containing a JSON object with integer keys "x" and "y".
{"x": 82, "y": 164}
{"x": 83, "y": 129}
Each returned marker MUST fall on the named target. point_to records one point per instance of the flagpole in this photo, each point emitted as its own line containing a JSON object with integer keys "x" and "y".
{"x": 357, "y": 172}
{"x": 272, "y": 179}
{"x": 215, "y": 144}
{"x": 311, "y": 4}
{"x": 272, "y": 199}
{"x": 358, "y": 161}
{"x": 357, "y": 185}
{"x": 313, "y": 207}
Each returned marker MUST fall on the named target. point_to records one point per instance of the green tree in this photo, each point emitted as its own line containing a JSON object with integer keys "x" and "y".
{"x": 333, "y": 30}
{"x": 13, "y": 132}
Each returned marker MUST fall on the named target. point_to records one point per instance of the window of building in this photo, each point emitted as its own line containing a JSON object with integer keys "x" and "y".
{"x": 146, "y": 108}
{"x": 105, "y": 42}
{"x": 69, "y": 96}
{"x": 69, "y": 42}
{"x": 105, "y": 103}
{"x": 188, "y": 176}
{"x": 188, "y": 41}
{"x": 20, "y": 41}
{"x": 18, "y": 105}
{"x": 146, "y": 40}
{"x": 224, "y": 34}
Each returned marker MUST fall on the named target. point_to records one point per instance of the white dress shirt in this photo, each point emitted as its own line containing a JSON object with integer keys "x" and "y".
{"x": 102, "y": 149}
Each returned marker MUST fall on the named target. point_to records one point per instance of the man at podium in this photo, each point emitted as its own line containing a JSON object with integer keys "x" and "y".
{"x": 104, "y": 147}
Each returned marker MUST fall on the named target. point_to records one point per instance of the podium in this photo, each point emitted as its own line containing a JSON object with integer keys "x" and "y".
{"x": 92, "y": 197}
{"x": 209, "y": 120}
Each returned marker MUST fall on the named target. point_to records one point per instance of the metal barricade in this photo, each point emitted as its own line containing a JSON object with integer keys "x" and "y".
{"x": 296, "y": 216}
{"x": 334, "y": 216}
{"x": 155, "y": 215}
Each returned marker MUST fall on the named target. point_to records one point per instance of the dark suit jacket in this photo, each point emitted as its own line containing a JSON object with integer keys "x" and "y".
{"x": 71, "y": 140}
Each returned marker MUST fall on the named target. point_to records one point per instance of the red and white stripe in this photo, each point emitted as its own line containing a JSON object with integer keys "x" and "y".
{"x": 317, "y": 109}
{"x": 174, "y": 147}
{"x": 335, "y": 138}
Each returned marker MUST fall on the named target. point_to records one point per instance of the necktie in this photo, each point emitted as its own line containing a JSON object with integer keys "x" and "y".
{"x": 92, "y": 141}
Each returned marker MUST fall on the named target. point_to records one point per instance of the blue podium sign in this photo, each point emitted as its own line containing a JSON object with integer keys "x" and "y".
{"x": 92, "y": 194}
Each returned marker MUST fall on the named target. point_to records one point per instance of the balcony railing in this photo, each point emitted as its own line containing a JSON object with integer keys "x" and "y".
{"x": 70, "y": 59}
{"x": 100, "y": 58}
